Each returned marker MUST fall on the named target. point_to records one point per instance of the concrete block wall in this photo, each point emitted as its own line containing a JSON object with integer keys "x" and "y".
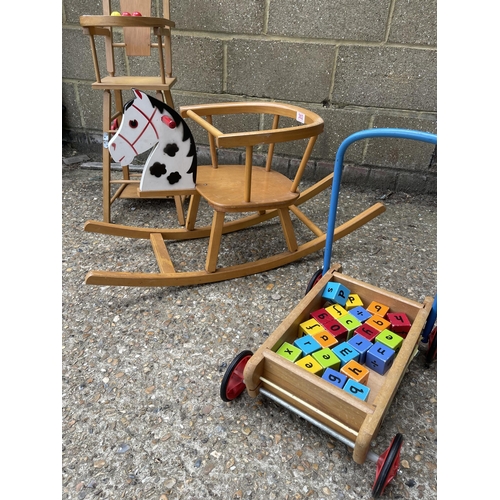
{"x": 359, "y": 65}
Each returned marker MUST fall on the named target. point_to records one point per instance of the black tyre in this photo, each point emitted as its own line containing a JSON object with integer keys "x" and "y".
{"x": 387, "y": 466}
{"x": 432, "y": 352}
{"x": 232, "y": 384}
{"x": 315, "y": 278}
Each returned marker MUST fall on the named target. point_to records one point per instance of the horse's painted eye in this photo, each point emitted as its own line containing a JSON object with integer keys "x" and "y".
{"x": 133, "y": 123}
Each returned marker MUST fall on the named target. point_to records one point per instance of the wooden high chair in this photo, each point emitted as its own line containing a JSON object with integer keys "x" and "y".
{"x": 252, "y": 194}
{"x": 140, "y": 36}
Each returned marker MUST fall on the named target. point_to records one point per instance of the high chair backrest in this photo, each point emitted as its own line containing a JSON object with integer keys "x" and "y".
{"x": 140, "y": 34}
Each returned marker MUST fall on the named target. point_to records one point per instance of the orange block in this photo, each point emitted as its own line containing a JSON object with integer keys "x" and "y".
{"x": 378, "y": 322}
{"x": 378, "y": 308}
{"x": 355, "y": 371}
{"x": 325, "y": 339}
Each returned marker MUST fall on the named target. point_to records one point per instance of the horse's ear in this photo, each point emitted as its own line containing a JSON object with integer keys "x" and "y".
{"x": 138, "y": 93}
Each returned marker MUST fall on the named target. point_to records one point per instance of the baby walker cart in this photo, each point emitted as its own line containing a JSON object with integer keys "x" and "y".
{"x": 351, "y": 420}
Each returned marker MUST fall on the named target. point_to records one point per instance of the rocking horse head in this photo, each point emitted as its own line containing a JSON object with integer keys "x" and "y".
{"x": 147, "y": 122}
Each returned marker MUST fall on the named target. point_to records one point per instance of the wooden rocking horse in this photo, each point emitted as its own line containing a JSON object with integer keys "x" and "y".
{"x": 256, "y": 193}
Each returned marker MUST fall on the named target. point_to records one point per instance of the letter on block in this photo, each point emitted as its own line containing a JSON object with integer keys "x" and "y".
{"x": 345, "y": 352}
{"x": 353, "y": 300}
{"x": 310, "y": 364}
{"x": 310, "y": 327}
{"x": 378, "y": 309}
{"x": 361, "y": 344}
{"x": 399, "y": 323}
{"x": 326, "y": 358}
{"x": 379, "y": 358}
{"x": 336, "y": 310}
{"x": 338, "y": 330}
{"x": 350, "y": 322}
{"x": 334, "y": 377}
{"x": 357, "y": 372}
{"x": 289, "y": 351}
{"x": 390, "y": 339}
{"x": 360, "y": 313}
{"x": 325, "y": 339}
{"x": 356, "y": 389}
{"x": 322, "y": 316}
{"x": 367, "y": 331}
{"x": 336, "y": 293}
{"x": 378, "y": 322}
{"x": 307, "y": 344}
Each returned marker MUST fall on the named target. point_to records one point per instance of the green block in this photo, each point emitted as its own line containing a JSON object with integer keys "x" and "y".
{"x": 390, "y": 339}
{"x": 350, "y": 322}
{"x": 327, "y": 359}
{"x": 289, "y": 351}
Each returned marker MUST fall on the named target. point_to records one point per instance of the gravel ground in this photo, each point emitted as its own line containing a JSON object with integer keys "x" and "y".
{"x": 141, "y": 367}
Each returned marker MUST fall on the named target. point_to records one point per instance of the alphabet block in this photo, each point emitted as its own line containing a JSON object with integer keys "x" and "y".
{"x": 338, "y": 330}
{"x": 310, "y": 364}
{"x": 345, "y": 352}
{"x": 356, "y": 372}
{"x": 361, "y": 344}
{"x": 322, "y": 316}
{"x": 379, "y": 358}
{"x": 367, "y": 331}
{"x": 327, "y": 358}
{"x": 334, "y": 377}
{"x": 399, "y": 323}
{"x": 336, "y": 310}
{"x": 378, "y": 322}
{"x": 310, "y": 327}
{"x": 325, "y": 339}
{"x": 378, "y": 309}
{"x": 290, "y": 352}
{"x": 307, "y": 344}
{"x": 336, "y": 292}
{"x": 390, "y": 339}
{"x": 353, "y": 300}
{"x": 356, "y": 389}
{"x": 350, "y": 322}
{"x": 360, "y": 313}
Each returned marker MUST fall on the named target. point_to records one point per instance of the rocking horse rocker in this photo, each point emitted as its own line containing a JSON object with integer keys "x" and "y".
{"x": 257, "y": 194}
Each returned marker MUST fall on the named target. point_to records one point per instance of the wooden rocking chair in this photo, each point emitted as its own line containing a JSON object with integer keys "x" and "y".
{"x": 138, "y": 35}
{"x": 257, "y": 193}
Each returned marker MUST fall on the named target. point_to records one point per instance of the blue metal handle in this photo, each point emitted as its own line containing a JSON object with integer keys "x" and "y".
{"x": 339, "y": 165}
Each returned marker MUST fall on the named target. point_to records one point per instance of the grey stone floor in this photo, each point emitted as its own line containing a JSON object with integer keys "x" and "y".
{"x": 142, "y": 367}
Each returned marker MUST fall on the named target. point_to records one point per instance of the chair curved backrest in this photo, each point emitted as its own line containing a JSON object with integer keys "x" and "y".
{"x": 308, "y": 125}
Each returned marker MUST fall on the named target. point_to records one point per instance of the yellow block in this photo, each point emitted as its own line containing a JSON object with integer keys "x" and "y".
{"x": 310, "y": 327}
{"x": 310, "y": 364}
{"x": 336, "y": 310}
{"x": 353, "y": 300}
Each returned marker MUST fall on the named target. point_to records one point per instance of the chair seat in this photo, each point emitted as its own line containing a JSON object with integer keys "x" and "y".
{"x": 223, "y": 188}
{"x": 139, "y": 82}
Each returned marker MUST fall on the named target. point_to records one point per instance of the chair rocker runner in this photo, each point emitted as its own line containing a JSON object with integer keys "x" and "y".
{"x": 255, "y": 193}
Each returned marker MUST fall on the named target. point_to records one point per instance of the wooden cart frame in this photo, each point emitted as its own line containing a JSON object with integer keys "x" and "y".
{"x": 347, "y": 418}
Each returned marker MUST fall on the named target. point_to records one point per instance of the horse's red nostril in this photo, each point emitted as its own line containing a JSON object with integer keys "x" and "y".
{"x": 168, "y": 121}
{"x": 113, "y": 146}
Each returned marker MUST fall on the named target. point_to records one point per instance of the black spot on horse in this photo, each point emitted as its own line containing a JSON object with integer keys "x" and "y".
{"x": 171, "y": 149}
{"x": 174, "y": 178}
{"x": 158, "y": 169}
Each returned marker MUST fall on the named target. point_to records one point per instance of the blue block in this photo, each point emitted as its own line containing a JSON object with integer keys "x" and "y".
{"x": 307, "y": 344}
{"x": 335, "y": 292}
{"x": 379, "y": 358}
{"x": 356, "y": 389}
{"x": 360, "y": 313}
{"x": 334, "y": 377}
{"x": 345, "y": 352}
{"x": 362, "y": 345}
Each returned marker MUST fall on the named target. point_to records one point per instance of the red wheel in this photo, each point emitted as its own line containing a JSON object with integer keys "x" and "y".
{"x": 315, "y": 278}
{"x": 387, "y": 466}
{"x": 232, "y": 384}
